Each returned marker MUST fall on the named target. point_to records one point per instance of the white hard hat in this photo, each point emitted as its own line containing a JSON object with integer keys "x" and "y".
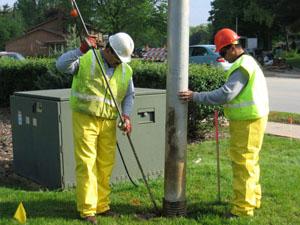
{"x": 123, "y": 46}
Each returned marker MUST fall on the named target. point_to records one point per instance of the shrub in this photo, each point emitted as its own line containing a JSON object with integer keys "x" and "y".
{"x": 201, "y": 78}
{"x": 290, "y": 54}
{"x": 36, "y": 74}
{"x": 149, "y": 74}
{"x": 29, "y": 74}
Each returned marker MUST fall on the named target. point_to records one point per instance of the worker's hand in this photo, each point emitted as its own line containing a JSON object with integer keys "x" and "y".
{"x": 126, "y": 126}
{"x": 89, "y": 42}
{"x": 186, "y": 95}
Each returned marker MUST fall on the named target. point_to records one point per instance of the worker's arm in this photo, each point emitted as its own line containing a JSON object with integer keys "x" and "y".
{"x": 69, "y": 61}
{"x": 235, "y": 84}
{"x": 127, "y": 102}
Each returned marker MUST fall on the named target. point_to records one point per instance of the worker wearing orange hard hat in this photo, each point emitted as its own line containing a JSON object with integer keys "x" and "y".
{"x": 246, "y": 105}
{"x": 225, "y": 37}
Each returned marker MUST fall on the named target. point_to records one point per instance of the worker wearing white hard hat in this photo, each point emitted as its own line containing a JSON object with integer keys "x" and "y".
{"x": 122, "y": 45}
{"x": 95, "y": 115}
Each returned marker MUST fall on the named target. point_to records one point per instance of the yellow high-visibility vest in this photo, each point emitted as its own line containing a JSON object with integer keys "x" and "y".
{"x": 253, "y": 101}
{"x": 90, "y": 94}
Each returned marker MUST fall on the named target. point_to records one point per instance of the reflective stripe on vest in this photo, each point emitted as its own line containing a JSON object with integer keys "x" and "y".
{"x": 93, "y": 98}
{"x": 90, "y": 94}
{"x": 252, "y": 102}
{"x": 239, "y": 105}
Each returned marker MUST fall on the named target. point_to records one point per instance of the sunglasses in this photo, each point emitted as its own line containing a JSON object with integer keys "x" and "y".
{"x": 224, "y": 50}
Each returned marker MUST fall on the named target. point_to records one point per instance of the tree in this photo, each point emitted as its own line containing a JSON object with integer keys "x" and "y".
{"x": 201, "y": 34}
{"x": 5, "y": 9}
{"x": 266, "y": 19}
{"x": 28, "y": 10}
{"x": 35, "y": 11}
{"x": 11, "y": 25}
{"x": 144, "y": 20}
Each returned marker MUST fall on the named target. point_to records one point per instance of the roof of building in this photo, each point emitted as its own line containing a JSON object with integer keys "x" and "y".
{"x": 154, "y": 54}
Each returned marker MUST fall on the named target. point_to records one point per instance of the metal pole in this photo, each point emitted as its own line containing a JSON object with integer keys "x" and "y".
{"x": 174, "y": 202}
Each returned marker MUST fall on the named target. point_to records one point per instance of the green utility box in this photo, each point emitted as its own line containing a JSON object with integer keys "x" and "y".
{"x": 43, "y": 141}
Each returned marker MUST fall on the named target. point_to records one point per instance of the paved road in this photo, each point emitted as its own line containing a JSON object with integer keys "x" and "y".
{"x": 284, "y": 94}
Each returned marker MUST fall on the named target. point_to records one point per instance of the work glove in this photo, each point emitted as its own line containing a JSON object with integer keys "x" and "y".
{"x": 87, "y": 43}
{"x": 126, "y": 125}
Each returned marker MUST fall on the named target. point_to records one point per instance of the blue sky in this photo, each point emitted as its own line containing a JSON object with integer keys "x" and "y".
{"x": 198, "y": 10}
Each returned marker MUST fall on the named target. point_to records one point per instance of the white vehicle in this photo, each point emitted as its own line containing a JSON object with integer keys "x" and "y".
{"x": 12, "y": 55}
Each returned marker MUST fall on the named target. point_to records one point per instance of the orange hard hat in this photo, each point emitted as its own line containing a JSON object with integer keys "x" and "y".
{"x": 225, "y": 37}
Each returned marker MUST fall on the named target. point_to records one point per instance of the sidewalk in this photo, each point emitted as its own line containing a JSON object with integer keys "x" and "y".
{"x": 284, "y": 130}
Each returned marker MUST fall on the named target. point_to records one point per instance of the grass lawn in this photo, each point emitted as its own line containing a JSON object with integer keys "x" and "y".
{"x": 284, "y": 117}
{"x": 294, "y": 61}
{"x": 280, "y": 173}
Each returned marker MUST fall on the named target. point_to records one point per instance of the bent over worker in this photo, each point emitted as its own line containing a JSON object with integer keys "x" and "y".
{"x": 94, "y": 116}
{"x": 246, "y": 105}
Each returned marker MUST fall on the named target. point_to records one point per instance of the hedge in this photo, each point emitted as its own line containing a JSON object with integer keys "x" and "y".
{"x": 29, "y": 74}
{"x": 201, "y": 78}
{"x": 36, "y": 74}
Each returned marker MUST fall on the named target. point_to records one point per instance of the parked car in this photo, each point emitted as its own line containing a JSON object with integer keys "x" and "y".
{"x": 13, "y": 55}
{"x": 205, "y": 54}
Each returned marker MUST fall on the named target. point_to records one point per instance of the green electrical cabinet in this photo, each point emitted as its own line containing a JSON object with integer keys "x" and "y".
{"x": 43, "y": 141}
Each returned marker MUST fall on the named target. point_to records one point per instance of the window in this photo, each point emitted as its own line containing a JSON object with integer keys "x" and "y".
{"x": 199, "y": 51}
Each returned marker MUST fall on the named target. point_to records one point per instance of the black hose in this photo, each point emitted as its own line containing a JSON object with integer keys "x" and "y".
{"x": 124, "y": 164}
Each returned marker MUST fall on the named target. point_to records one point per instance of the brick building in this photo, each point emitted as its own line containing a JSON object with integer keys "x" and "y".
{"x": 42, "y": 39}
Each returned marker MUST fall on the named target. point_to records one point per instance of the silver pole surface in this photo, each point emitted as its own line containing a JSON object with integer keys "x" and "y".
{"x": 174, "y": 202}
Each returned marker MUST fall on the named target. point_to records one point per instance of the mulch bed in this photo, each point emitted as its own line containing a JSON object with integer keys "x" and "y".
{"x": 6, "y": 150}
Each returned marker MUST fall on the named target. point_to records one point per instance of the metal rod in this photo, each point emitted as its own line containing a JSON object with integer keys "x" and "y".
{"x": 143, "y": 174}
{"x": 74, "y": 4}
{"x": 118, "y": 110}
{"x": 218, "y": 155}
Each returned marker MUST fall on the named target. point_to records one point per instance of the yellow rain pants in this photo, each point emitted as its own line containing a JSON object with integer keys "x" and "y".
{"x": 95, "y": 144}
{"x": 245, "y": 144}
